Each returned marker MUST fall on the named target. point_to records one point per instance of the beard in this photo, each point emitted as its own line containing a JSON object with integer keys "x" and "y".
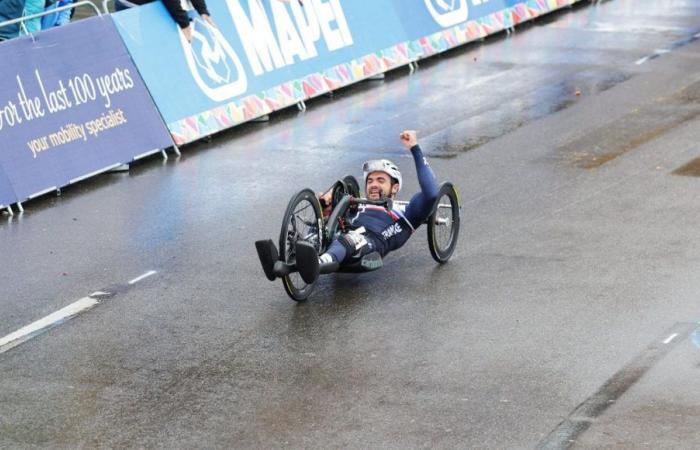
{"x": 375, "y": 194}
{"x": 378, "y": 194}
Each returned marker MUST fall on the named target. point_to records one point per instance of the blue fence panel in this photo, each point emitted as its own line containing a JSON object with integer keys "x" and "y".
{"x": 255, "y": 46}
{"x": 7, "y": 195}
{"x": 71, "y": 104}
{"x": 426, "y": 17}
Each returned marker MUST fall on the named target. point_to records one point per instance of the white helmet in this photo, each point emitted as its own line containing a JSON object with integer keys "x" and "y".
{"x": 382, "y": 165}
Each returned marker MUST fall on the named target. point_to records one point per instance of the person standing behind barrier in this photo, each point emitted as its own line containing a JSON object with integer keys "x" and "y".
{"x": 59, "y": 18}
{"x": 10, "y": 9}
{"x": 174, "y": 7}
{"x": 14, "y": 9}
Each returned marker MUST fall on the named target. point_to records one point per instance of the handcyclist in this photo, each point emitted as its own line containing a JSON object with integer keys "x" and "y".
{"x": 375, "y": 228}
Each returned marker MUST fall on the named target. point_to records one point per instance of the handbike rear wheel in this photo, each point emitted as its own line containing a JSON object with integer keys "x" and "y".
{"x": 302, "y": 222}
{"x": 443, "y": 224}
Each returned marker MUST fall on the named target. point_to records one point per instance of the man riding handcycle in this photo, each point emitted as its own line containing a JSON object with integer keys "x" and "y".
{"x": 339, "y": 231}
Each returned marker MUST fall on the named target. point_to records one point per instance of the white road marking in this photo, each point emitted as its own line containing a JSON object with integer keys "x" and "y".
{"x": 670, "y": 338}
{"x": 41, "y": 325}
{"x": 145, "y": 275}
{"x": 33, "y": 329}
{"x": 642, "y": 60}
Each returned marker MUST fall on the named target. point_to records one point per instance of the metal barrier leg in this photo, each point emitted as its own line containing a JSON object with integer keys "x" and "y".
{"x": 9, "y": 210}
{"x": 177, "y": 150}
{"x": 164, "y": 154}
{"x": 20, "y": 207}
{"x": 119, "y": 168}
{"x": 301, "y": 105}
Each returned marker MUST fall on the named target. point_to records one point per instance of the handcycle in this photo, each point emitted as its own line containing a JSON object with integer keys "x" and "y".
{"x": 304, "y": 223}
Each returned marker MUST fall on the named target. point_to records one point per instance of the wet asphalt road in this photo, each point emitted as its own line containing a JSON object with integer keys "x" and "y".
{"x": 552, "y": 325}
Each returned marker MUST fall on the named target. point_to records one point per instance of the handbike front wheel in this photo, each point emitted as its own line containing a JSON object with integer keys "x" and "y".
{"x": 302, "y": 222}
{"x": 443, "y": 224}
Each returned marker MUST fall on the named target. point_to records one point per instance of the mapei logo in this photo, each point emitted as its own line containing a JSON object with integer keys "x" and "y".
{"x": 214, "y": 64}
{"x": 448, "y": 13}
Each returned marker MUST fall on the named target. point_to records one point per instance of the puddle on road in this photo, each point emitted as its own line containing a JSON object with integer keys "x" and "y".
{"x": 450, "y": 150}
{"x": 633, "y": 130}
{"x": 690, "y": 169}
{"x": 523, "y": 107}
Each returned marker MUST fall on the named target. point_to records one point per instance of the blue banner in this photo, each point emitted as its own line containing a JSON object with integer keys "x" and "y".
{"x": 254, "y": 46}
{"x": 262, "y": 55}
{"x": 426, "y": 17}
{"x": 71, "y": 104}
{"x": 7, "y": 195}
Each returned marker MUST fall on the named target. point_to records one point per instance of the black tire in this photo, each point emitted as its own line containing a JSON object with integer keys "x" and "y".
{"x": 353, "y": 187}
{"x": 339, "y": 191}
{"x": 443, "y": 224}
{"x": 302, "y": 221}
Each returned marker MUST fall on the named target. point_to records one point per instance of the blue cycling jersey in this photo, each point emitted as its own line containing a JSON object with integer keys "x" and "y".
{"x": 388, "y": 230}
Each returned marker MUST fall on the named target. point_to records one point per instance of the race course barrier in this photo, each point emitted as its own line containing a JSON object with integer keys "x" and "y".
{"x": 265, "y": 55}
{"x": 71, "y": 105}
{"x": 80, "y": 99}
{"x": 7, "y": 195}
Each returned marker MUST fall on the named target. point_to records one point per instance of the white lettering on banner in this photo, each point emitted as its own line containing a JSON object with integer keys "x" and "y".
{"x": 215, "y": 66}
{"x": 256, "y": 35}
{"x": 267, "y": 51}
{"x": 290, "y": 41}
{"x": 31, "y": 107}
{"x": 308, "y": 25}
{"x": 326, "y": 13}
{"x": 55, "y": 100}
{"x": 9, "y": 115}
{"x": 448, "y": 13}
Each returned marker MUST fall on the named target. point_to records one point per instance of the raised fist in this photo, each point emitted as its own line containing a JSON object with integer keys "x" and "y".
{"x": 408, "y": 138}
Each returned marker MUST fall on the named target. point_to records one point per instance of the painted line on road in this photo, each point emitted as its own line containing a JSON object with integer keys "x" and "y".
{"x": 581, "y": 418}
{"x": 674, "y": 45}
{"x": 24, "y": 334}
{"x": 145, "y": 275}
{"x": 63, "y": 315}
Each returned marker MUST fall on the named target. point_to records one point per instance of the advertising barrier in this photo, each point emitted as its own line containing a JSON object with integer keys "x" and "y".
{"x": 263, "y": 56}
{"x": 439, "y": 25}
{"x": 7, "y": 195}
{"x": 72, "y": 104}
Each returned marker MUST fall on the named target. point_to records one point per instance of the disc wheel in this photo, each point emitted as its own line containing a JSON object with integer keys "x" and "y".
{"x": 302, "y": 222}
{"x": 443, "y": 224}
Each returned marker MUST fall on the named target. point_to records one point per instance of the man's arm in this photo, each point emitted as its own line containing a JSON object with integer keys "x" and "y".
{"x": 201, "y": 7}
{"x": 421, "y": 205}
{"x": 178, "y": 14}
